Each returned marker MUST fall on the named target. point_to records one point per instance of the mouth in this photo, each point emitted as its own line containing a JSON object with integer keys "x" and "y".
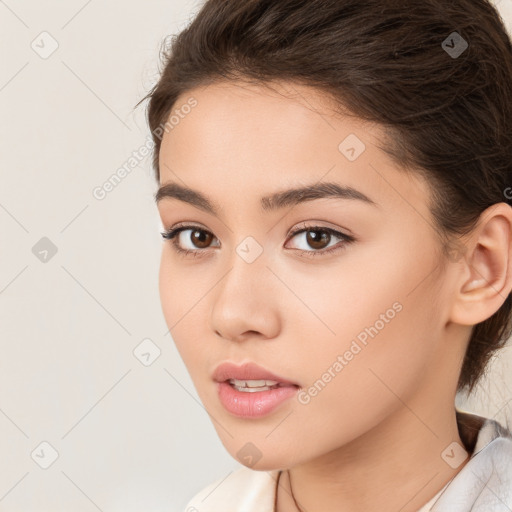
{"x": 255, "y": 386}
{"x": 249, "y": 377}
{"x": 251, "y": 391}
{"x": 252, "y": 399}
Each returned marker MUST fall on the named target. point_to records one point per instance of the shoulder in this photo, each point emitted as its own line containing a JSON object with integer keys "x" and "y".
{"x": 243, "y": 489}
{"x": 485, "y": 483}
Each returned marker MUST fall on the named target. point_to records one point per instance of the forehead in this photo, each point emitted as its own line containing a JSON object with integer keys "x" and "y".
{"x": 279, "y": 113}
{"x": 257, "y": 139}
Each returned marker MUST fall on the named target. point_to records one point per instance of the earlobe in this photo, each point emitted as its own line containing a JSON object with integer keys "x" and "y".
{"x": 486, "y": 280}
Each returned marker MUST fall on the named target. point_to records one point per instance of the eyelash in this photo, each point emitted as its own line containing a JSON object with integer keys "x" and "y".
{"x": 171, "y": 235}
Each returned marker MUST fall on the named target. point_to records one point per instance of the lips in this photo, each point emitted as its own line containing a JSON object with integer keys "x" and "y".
{"x": 248, "y": 371}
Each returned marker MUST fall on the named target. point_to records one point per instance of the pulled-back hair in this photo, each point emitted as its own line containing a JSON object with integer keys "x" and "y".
{"x": 446, "y": 115}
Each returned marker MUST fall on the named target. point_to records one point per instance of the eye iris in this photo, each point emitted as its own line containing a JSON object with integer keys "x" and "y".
{"x": 199, "y": 235}
{"x": 314, "y": 240}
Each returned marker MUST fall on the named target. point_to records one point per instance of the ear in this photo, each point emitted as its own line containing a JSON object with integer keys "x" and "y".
{"x": 486, "y": 276}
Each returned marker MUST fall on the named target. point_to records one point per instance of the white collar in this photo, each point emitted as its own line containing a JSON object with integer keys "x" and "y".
{"x": 484, "y": 484}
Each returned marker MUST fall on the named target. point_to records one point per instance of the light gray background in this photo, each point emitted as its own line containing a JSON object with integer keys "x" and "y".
{"x": 129, "y": 436}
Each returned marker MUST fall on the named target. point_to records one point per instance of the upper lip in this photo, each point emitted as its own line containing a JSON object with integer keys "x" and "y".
{"x": 247, "y": 371}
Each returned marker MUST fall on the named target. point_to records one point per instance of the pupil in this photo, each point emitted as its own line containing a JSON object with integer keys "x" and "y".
{"x": 199, "y": 236}
{"x": 314, "y": 241}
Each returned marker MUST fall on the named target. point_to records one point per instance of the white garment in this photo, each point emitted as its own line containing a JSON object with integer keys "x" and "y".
{"x": 483, "y": 485}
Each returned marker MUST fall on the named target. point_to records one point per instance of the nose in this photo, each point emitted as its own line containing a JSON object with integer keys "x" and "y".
{"x": 245, "y": 301}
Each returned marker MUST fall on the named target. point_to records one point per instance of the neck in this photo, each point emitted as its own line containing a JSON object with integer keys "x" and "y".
{"x": 394, "y": 466}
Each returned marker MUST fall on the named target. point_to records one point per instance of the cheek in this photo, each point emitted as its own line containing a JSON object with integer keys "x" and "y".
{"x": 179, "y": 288}
{"x": 371, "y": 349}
{"x": 343, "y": 400}
{"x": 185, "y": 306}
{"x": 177, "y": 298}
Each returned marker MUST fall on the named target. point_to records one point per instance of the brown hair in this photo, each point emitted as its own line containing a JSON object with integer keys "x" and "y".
{"x": 446, "y": 109}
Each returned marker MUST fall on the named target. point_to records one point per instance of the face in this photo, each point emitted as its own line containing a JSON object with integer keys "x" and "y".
{"x": 335, "y": 293}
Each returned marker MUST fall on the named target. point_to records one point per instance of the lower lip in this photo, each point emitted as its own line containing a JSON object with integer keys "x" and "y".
{"x": 246, "y": 404}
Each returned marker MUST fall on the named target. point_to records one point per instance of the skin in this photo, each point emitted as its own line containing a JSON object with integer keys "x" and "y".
{"x": 372, "y": 439}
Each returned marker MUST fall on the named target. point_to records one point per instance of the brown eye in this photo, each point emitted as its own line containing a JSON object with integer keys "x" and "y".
{"x": 318, "y": 239}
{"x": 193, "y": 243}
{"x": 201, "y": 238}
{"x": 197, "y": 242}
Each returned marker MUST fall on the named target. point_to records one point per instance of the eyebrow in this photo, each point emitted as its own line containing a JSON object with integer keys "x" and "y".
{"x": 268, "y": 203}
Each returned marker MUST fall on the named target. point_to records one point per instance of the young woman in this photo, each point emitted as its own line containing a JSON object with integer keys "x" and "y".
{"x": 335, "y": 181}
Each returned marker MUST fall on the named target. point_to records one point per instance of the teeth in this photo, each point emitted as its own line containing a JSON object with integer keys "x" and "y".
{"x": 253, "y": 383}
{"x": 253, "y": 390}
{"x": 251, "y": 386}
